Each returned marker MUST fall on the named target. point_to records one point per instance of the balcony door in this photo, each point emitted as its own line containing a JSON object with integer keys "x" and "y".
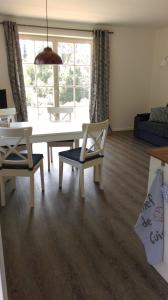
{"x": 66, "y": 85}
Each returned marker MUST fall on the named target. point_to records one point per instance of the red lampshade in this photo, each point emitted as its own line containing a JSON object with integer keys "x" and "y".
{"x": 48, "y": 57}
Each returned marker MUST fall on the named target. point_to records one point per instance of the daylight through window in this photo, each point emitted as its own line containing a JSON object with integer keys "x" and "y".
{"x": 66, "y": 85}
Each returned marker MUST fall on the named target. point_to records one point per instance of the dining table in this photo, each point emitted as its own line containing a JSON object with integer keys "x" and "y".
{"x": 51, "y": 131}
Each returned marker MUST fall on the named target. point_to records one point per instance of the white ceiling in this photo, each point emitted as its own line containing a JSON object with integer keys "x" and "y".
{"x": 138, "y": 12}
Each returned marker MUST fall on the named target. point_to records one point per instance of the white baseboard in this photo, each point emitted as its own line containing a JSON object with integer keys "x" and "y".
{"x": 122, "y": 129}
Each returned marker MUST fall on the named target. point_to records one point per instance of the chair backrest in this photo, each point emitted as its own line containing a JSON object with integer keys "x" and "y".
{"x": 60, "y": 113}
{"x": 11, "y": 138}
{"x": 94, "y": 134}
{"x": 8, "y": 113}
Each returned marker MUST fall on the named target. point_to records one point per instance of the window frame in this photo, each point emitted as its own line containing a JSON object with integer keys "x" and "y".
{"x": 55, "y": 40}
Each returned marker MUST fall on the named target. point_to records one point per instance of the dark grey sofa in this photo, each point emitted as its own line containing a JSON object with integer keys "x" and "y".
{"x": 155, "y": 133}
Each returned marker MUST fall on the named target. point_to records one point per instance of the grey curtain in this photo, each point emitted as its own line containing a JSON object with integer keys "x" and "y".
{"x": 15, "y": 69}
{"x": 99, "y": 104}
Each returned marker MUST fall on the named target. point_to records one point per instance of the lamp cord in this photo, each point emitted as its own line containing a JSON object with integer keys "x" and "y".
{"x": 47, "y": 22}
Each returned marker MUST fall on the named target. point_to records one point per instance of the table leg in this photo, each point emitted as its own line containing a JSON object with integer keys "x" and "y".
{"x": 76, "y": 142}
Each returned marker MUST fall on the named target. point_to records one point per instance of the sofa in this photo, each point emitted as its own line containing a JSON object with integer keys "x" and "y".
{"x": 152, "y": 130}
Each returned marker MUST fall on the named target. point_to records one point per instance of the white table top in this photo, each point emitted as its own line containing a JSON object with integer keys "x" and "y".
{"x": 51, "y": 131}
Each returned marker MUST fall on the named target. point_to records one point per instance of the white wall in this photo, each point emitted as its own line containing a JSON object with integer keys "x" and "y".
{"x": 131, "y": 64}
{"x": 159, "y": 81}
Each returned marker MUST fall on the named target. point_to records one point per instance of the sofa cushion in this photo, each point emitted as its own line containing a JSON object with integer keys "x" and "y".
{"x": 160, "y": 129}
{"x": 159, "y": 114}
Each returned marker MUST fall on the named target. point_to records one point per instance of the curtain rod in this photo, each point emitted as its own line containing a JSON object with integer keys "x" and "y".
{"x": 61, "y": 28}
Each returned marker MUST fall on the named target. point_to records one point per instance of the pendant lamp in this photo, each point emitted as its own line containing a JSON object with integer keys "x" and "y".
{"x": 47, "y": 56}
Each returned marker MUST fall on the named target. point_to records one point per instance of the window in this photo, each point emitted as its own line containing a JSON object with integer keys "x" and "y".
{"x": 64, "y": 85}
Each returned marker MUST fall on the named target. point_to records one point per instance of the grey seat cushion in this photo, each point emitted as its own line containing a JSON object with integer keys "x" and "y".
{"x": 74, "y": 154}
{"x": 36, "y": 158}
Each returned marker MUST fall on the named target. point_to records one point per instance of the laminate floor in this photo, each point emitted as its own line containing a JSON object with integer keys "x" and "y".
{"x": 73, "y": 249}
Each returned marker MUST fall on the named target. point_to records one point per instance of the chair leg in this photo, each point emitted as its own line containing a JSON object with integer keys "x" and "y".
{"x": 42, "y": 175}
{"x": 60, "y": 173}
{"x": 51, "y": 150}
{"x": 72, "y": 166}
{"x": 2, "y": 191}
{"x": 32, "y": 190}
{"x": 76, "y": 143}
{"x": 100, "y": 176}
{"x": 14, "y": 183}
{"x": 96, "y": 174}
{"x": 81, "y": 182}
{"x": 48, "y": 157}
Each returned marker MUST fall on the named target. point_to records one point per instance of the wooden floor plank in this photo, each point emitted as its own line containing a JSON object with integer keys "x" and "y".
{"x": 73, "y": 249}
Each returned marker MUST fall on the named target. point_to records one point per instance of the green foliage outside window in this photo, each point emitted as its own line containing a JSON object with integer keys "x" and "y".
{"x": 73, "y": 81}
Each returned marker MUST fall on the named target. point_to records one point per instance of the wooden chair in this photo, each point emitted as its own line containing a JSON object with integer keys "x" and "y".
{"x": 86, "y": 157}
{"x": 7, "y": 115}
{"x": 58, "y": 114}
{"x": 13, "y": 163}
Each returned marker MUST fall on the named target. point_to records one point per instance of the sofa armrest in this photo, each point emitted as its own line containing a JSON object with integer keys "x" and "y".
{"x": 139, "y": 118}
{"x": 142, "y": 117}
